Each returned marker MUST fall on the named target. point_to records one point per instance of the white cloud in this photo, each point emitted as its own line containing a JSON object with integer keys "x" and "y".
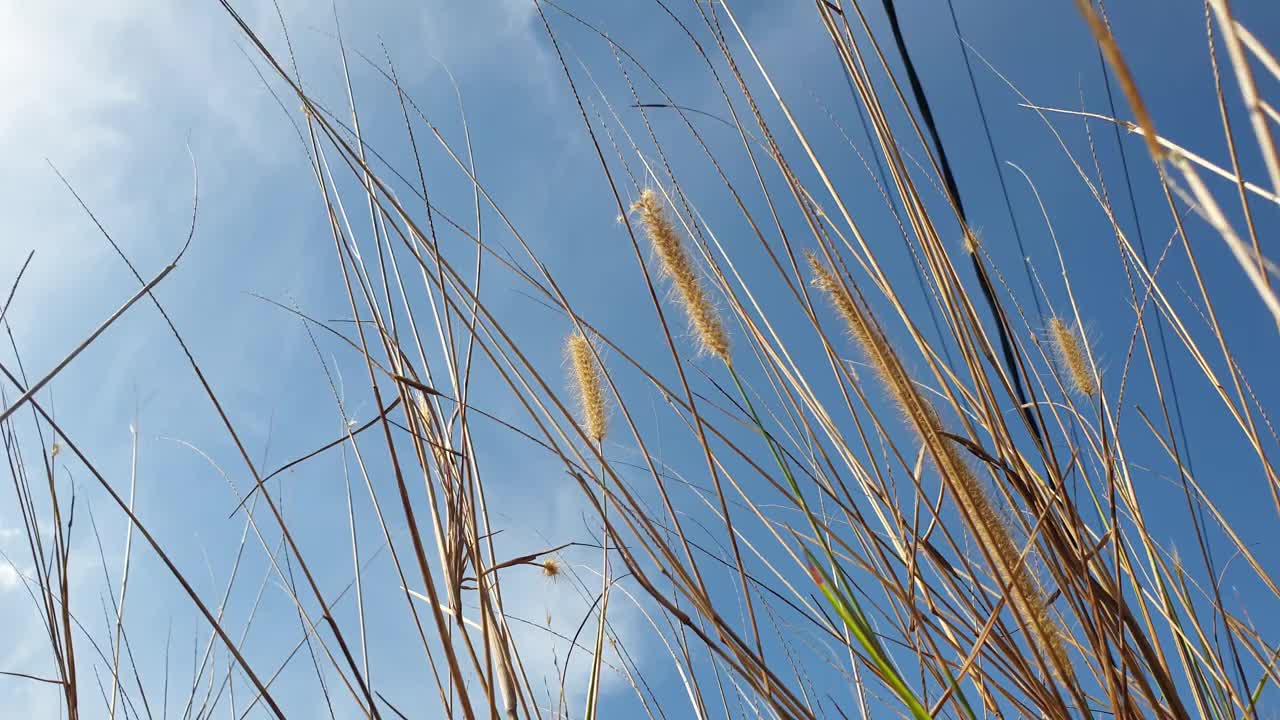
{"x": 8, "y": 577}
{"x": 51, "y": 66}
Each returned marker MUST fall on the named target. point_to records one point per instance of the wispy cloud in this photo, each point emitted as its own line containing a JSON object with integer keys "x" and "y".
{"x": 112, "y": 95}
{"x": 8, "y": 577}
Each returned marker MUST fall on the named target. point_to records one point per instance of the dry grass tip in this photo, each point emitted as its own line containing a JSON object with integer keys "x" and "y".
{"x": 678, "y": 266}
{"x": 587, "y": 382}
{"x": 1068, "y": 345}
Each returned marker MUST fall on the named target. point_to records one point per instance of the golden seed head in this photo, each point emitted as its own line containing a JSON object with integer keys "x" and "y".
{"x": 678, "y": 266}
{"x": 1068, "y": 344}
{"x": 990, "y": 529}
{"x": 880, "y": 355}
{"x": 551, "y": 568}
{"x": 587, "y": 380}
{"x": 826, "y": 281}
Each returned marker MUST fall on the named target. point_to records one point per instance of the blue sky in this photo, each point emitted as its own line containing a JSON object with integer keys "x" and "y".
{"x": 113, "y": 96}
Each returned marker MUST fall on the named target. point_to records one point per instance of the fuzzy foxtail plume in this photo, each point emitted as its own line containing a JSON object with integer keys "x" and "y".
{"x": 678, "y": 266}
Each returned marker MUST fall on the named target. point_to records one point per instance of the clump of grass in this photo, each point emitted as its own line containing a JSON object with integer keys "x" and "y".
{"x": 987, "y": 525}
{"x": 1068, "y": 345}
{"x": 678, "y": 266}
{"x": 907, "y": 602}
{"x": 586, "y": 377}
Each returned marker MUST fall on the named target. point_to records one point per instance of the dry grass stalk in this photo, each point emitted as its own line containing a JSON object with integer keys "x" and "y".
{"x": 503, "y": 670}
{"x": 678, "y": 266}
{"x": 988, "y": 526}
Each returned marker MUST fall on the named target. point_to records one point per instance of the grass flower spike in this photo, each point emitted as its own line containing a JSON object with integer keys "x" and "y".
{"x": 988, "y": 527}
{"x": 678, "y": 266}
{"x": 586, "y": 377}
{"x": 1068, "y": 345}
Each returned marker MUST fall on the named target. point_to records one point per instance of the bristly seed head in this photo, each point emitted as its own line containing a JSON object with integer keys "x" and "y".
{"x": 587, "y": 381}
{"x": 678, "y": 266}
{"x": 1026, "y": 597}
{"x": 551, "y": 568}
{"x": 1068, "y": 344}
